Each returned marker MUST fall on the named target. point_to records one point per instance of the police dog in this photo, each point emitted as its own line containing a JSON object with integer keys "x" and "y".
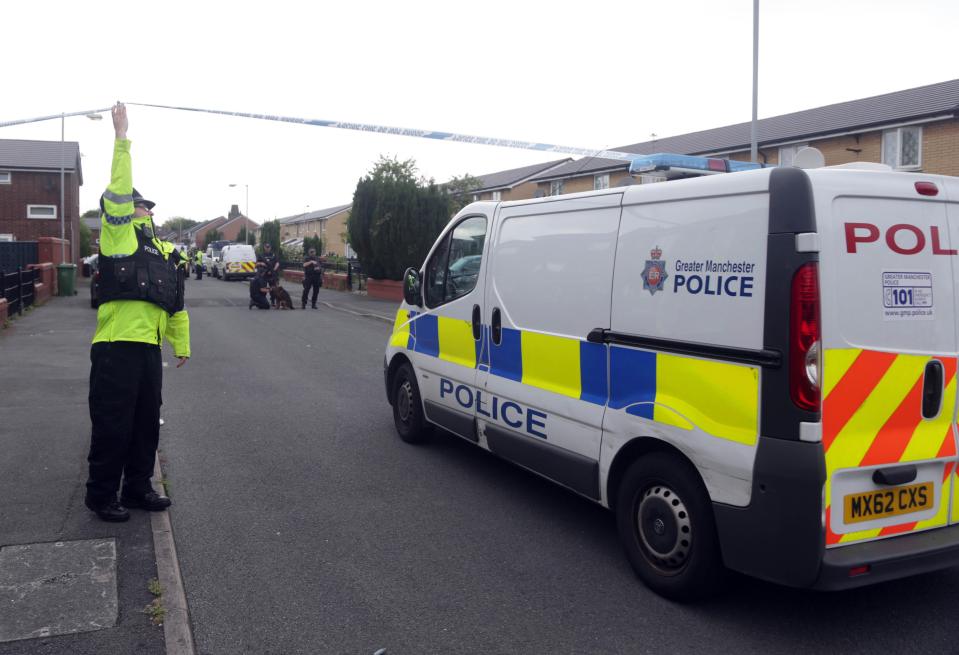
{"x": 283, "y": 300}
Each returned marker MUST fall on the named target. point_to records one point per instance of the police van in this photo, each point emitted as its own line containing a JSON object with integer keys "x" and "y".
{"x": 237, "y": 260}
{"x": 755, "y": 371}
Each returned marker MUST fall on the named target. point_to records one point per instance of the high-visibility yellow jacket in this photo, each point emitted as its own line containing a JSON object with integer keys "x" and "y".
{"x": 133, "y": 320}
{"x": 199, "y": 256}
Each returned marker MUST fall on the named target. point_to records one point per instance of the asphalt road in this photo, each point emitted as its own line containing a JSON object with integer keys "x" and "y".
{"x": 304, "y": 525}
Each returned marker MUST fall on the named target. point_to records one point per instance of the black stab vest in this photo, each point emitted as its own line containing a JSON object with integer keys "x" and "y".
{"x": 144, "y": 275}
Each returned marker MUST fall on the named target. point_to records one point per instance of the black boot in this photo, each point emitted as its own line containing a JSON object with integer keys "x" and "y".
{"x": 110, "y": 511}
{"x": 150, "y": 501}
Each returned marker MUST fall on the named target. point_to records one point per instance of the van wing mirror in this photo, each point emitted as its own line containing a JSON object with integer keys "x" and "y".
{"x": 412, "y": 287}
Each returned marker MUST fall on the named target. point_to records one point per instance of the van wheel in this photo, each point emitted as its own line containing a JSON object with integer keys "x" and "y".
{"x": 407, "y": 407}
{"x": 666, "y": 525}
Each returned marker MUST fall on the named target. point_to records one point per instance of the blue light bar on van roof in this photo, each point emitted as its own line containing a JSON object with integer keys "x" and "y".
{"x": 688, "y": 165}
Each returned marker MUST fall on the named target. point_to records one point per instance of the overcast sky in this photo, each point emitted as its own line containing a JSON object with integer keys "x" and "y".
{"x": 596, "y": 75}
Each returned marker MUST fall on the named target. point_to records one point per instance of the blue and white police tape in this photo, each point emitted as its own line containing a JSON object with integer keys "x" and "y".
{"x": 415, "y": 132}
{"x": 367, "y": 127}
{"x": 51, "y": 117}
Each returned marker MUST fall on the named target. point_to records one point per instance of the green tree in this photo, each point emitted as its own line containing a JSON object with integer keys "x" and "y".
{"x": 270, "y": 233}
{"x": 246, "y": 237}
{"x": 312, "y": 242}
{"x": 395, "y": 218}
{"x": 91, "y": 213}
{"x": 211, "y": 236}
{"x": 461, "y": 190}
{"x": 86, "y": 236}
{"x": 178, "y": 224}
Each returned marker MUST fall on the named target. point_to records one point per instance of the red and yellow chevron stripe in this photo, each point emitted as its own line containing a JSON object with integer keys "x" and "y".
{"x": 872, "y": 416}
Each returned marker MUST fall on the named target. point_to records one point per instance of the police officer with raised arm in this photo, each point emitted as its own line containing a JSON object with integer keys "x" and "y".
{"x": 141, "y": 302}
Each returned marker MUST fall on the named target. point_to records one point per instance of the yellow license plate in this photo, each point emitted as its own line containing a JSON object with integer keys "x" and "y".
{"x": 880, "y": 504}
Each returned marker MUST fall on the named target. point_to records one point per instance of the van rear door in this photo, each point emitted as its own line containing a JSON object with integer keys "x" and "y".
{"x": 889, "y": 340}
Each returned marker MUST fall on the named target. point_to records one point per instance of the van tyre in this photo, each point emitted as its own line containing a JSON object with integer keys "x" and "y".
{"x": 407, "y": 407}
{"x": 666, "y": 525}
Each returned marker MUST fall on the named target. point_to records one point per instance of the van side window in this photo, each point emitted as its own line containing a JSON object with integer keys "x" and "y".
{"x": 454, "y": 268}
{"x": 436, "y": 274}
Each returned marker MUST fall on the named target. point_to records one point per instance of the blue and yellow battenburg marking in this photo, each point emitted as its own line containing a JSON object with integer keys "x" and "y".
{"x": 719, "y": 398}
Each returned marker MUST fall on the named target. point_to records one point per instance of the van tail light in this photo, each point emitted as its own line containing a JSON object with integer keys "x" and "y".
{"x": 805, "y": 338}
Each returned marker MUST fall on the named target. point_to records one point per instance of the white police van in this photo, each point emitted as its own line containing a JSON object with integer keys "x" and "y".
{"x": 756, "y": 371}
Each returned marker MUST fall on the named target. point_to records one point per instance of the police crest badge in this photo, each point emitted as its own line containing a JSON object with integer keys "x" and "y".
{"x": 654, "y": 274}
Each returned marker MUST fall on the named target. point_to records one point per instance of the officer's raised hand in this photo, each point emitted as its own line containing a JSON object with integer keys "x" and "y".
{"x": 120, "y": 121}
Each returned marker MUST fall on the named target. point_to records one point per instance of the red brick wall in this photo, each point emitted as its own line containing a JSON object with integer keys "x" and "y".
{"x": 39, "y": 189}
{"x": 49, "y": 249}
{"x": 233, "y": 229}
{"x": 48, "y": 276}
{"x": 199, "y": 237}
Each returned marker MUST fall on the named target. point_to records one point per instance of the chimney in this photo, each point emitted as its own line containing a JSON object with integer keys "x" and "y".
{"x": 234, "y": 212}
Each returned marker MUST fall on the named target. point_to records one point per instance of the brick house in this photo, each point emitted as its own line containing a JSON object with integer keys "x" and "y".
{"x": 235, "y": 222}
{"x": 516, "y": 183}
{"x": 329, "y": 224}
{"x": 30, "y": 190}
{"x": 196, "y": 235}
{"x": 911, "y": 130}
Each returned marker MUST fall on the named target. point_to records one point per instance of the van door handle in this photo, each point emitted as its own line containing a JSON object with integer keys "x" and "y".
{"x": 496, "y": 327}
{"x": 895, "y": 475}
{"x": 932, "y": 389}
{"x": 476, "y": 322}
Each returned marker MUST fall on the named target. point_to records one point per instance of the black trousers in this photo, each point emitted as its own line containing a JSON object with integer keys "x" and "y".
{"x": 199, "y": 271}
{"x": 125, "y": 384}
{"x": 259, "y": 302}
{"x": 310, "y": 283}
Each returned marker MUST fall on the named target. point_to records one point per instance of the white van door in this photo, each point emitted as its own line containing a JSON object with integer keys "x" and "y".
{"x": 542, "y": 384}
{"x": 446, "y": 332}
{"x": 889, "y": 344}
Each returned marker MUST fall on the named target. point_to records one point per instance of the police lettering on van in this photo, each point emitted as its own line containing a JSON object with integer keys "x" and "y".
{"x": 512, "y": 414}
{"x": 712, "y": 278}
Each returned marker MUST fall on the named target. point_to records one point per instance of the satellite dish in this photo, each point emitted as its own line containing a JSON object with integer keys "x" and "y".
{"x": 809, "y": 158}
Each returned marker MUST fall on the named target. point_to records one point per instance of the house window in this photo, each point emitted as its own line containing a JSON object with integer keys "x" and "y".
{"x": 41, "y": 211}
{"x": 497, "y": 195}
{"x": 600, "y": 182}
{"x": 556, "y": 188}
{"x": 788, "y": 153}
{"x": 5, "y": 177}
{"x": 902, "y": 147}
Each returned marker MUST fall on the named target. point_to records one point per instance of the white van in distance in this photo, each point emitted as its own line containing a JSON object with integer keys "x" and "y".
{"x": 237, "y": 260}
{"x": 755, "y": 371}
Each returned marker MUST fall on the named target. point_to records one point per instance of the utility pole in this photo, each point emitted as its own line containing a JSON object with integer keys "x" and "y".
{"x": 753, "y": 139}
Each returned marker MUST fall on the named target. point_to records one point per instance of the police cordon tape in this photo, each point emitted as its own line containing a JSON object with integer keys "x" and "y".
{"x": 38, "y": 119}
{"x": 367, "y": 127}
